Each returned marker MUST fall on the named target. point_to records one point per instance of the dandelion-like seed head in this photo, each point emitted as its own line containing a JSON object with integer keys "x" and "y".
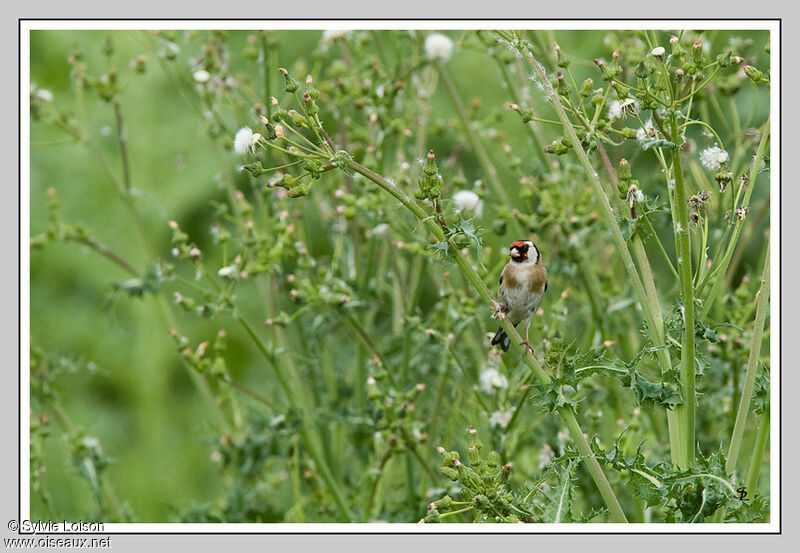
{"x": 468, "y": 203}
{"x": 501, "y": 418}
{"x": 634, "y": 195}
{"x": 713, "y": 157}
{"x": 492, "y": 380}
{"x": 438, "y": 47}
{"x": 43, "y": 94}
{"x": 202, "y": 76}
{"x": 624, "y": 108}
{"x": 329, "y": 35}
{"x": 245, "y": 140}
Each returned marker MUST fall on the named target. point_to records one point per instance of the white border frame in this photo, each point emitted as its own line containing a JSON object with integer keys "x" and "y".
{"x": 775, "y": 225}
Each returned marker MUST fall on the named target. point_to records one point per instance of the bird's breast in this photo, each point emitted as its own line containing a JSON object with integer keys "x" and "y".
{"x": 522, "y": 291}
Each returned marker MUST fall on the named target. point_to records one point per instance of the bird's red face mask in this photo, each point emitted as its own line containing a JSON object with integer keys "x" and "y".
{"x": 519, "y": 251}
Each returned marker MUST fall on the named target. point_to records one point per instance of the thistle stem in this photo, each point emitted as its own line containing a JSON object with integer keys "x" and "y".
{"x": 722, "y": 268}
{"x": 651, "y": 308}
{"x": 752, "y": 368}
{"x": 567, "y": 415}
{"x": 758, "y": 452}
{"x": 319, "y": 461}
{"x": 686, "y": 411}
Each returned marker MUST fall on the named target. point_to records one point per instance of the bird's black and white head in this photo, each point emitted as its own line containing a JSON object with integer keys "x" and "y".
{"x": 524, "y": 251}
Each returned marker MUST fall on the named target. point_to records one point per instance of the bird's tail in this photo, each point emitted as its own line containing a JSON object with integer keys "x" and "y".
{"x": 501, "y": 338}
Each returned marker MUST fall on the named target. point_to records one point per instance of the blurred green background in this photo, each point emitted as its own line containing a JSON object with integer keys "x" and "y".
{"x": 139, "y": 400}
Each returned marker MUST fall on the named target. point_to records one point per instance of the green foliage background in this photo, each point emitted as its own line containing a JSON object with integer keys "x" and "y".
{"x": 137, "y": 397}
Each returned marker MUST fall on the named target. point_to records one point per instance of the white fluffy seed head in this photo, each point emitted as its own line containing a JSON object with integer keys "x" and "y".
{"x": 622, "y": 109}
{"x": 438, "y": 47}
{"x": 329, "y": 35}
{"x": 492, "y": 380}
{"x": 468, "y": 203}
{"x": 634, "y": 195}
{"x": 202, "y": 76}
{"x": 44, "y": 95}
{"x": 245, "y": 140}
{"x": 713, "y": 157}
{"x": 501, "y": 418}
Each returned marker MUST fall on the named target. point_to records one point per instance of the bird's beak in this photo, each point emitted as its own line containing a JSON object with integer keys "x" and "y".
{"x": 514, "y": 252}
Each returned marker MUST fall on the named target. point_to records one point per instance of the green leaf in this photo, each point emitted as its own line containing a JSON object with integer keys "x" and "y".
{"x": 559, "y": 498}
{"x": 689, "y": 495}
{"x": 658, "y": 143}
{"x": 760, "y": 401}
{"x": 441, "y": 249}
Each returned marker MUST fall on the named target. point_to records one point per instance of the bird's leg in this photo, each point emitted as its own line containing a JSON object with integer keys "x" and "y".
{"x": 525, "y": 343}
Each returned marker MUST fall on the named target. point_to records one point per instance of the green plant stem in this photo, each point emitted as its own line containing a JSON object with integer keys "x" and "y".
{"x": 686, "y": 411}
{"x": 325, "y": 472}
{"x": 122, "y": 138}
{"x": 451, "y": 513}
{"x": 477, "y": 147}
{"x": 373, "y": 490}
{"x": 534, "y": 131}
{"x": 651, "y": 308}
{"x": 662, "y": 355}
{"x": 758, "y": 452}
{"x": 722, "y": 268}
{"x": 125, "y": 190}
{"x": 567, "y": 415}
{"x": 362, "y": 336}
{"x": 661, "y": 248}
{"x": 99, "y": 248}
{"x": 252, "y": 393}
{"x": 752, "y": 368}
{"x": 319, "y": 462}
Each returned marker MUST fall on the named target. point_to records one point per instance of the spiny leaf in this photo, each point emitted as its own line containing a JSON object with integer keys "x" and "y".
{"x": 688, "y": 495}
{"x": 559, "y": 498}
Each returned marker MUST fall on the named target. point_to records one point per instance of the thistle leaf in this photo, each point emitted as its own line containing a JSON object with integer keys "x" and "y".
{"x": 559, "y": 498}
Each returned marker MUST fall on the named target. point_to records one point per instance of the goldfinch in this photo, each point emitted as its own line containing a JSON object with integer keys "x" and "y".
{"x": 522, "y": 287}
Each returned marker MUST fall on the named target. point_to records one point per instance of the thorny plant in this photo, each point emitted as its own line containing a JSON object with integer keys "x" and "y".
{"x": 354, "y": 438}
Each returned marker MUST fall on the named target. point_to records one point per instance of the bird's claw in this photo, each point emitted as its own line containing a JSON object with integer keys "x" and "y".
{"x": 526, "y": 347}
{"x": 499, "y": 311}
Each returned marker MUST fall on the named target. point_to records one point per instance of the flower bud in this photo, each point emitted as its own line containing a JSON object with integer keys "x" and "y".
{"x": 474, "y": 455}
{"x": 724, "y": 177}
{"x": 444, "y": 503}
{"x": 561, "y": 85}
{"x": 754, "y": 74}
{"x": 725, "y": 58}
{"x": 561, "y": 58}
{"x": 624, "y": 171}
{"x": 697, "y": 53}
{"x": 450, "y": 473}
{"x": 586, "y": 88}
{"x": 291, "y": 84}
{"x": 430, "y": 184}
{"x": 433, "y": 516}
{"x": 140, "y": 64}
{"x": 254, "y": 169}
{"x": 299, "y": 191}
{"x": 642, "y": 70}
